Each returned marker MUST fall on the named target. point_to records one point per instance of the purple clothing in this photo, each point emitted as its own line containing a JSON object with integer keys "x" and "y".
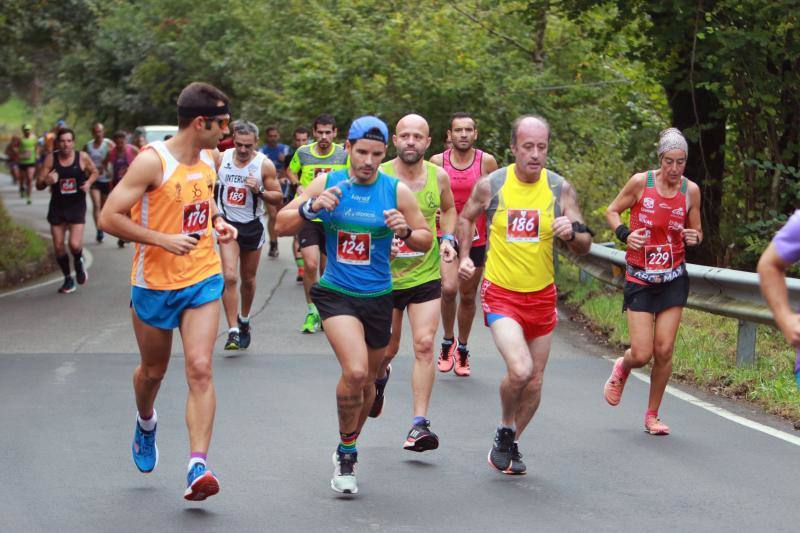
{"x": 787, "y": 245}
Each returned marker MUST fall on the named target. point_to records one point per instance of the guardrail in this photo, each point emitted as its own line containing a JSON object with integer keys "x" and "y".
{"x": 721, "y": 291}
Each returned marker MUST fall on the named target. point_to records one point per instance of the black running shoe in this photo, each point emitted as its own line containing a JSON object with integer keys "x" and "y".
{"x": 421, "y": 438}
{"x": 517, "y": 466}
{"x": 120, "y": 243}
{"x": 99, "y": 236}
{"x": 244, "y": 333}
{"x": 68, "y": 286}
{"x": 377, "y": 404}
{"x": 233, "y": 341}
{"x": 273, "y": 249}
{"x": 80, "y": 273}
{"x": 501, "y": 456}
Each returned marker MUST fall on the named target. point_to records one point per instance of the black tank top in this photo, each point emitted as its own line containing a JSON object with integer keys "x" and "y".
{"x": 67, "y": 189}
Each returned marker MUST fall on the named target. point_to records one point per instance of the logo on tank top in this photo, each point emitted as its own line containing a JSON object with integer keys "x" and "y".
{"x": 648, "y": 202}
{"x": 644, "y": 220}
{"x": 359, "y": 198}
{"x": 678, "y": 212}
{"x": 194, "y": 176}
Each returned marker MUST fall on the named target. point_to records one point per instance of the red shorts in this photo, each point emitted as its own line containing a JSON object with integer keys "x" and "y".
{"x": 534, "y": 311}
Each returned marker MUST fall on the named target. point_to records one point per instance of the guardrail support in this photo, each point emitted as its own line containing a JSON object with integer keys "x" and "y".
{"x": 746, "y": 344}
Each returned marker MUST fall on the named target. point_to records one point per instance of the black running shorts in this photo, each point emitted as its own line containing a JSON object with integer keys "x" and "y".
{"x": 251, "y": 234}
{"x": 67, "y": 213}
{"x": 425, "y": 292}
{"x": 478, "y": 255}
{"x": 374, "y": 313}
{"x": 312, "y": 234}
{"x": 655, "y": 297}
{"x": 103, "y": 186}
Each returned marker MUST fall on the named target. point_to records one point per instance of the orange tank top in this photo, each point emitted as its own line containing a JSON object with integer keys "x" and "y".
{"x": 181, "y": 204}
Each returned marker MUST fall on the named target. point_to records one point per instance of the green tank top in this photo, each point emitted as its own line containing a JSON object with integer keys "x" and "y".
{"x": 306, "y": 163}
{"x": 410, "y": 268}
{"x": 27, "y": 150}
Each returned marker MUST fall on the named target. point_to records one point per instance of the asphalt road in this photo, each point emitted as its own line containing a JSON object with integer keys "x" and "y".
{"x": 67, "y": 418}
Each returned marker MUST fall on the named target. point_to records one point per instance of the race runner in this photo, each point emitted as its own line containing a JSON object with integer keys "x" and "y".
{"x": 176, "y": 275}
{"x": 299, "y": 138}
{"x": 361, "y": 209}
{"x": 277, "y": 153}
{"x": 27, "y": 162}
{"x": 98, "y": 149}
{"x": 665, "y": 218}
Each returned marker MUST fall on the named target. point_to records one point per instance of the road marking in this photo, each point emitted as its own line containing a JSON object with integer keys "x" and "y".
{"x": 56, "y": 278}
{"x": 724, "y": 413}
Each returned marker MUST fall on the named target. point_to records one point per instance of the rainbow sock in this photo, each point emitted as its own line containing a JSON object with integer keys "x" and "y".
{"x": 347, "y": 443}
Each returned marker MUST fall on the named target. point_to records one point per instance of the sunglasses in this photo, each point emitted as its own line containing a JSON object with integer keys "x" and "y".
{"x": 221, "y": 122}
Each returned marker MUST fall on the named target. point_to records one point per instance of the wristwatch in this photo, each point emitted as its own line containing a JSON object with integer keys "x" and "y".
{"x": 261, "y": 189}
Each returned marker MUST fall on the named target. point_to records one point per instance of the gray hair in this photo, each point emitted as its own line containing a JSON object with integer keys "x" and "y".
{"x": 518, "y": 122}
{"x": 671, "y": 139}
{"x": 244, "y": 126}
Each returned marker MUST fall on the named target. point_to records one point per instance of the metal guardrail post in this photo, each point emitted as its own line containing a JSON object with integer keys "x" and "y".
{"x": 746, "y": 343}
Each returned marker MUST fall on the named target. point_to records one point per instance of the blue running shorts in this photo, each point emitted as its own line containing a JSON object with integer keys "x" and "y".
{"x": 163, "y": 309}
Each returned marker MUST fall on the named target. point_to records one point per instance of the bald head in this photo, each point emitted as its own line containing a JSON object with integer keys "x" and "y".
{"x": 528, "y": 124}
{"x": 411, "y": 138}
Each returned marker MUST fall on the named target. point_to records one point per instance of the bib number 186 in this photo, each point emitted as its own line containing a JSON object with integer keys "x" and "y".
{"x": 523, "y": 225}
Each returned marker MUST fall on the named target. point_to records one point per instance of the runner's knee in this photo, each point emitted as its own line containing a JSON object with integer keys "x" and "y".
{"x": 231, "y": 279}
{"x": 520, "y": 373}
{"x": 198, "y": 372}
{"x": 449, "y": 289}
{"x": 663, "y": 351}
{"x": 152, "y": 374}
{"x": 249, "y": 283}
{"x": 423, "y": 348}
{"x": 640, "y": 356}
{"x": 355, "y": 377}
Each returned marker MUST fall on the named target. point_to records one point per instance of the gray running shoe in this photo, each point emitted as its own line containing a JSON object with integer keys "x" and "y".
{"x": 344, "y": 473}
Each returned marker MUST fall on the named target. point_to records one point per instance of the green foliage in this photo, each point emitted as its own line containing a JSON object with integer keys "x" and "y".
{"x": 19, "y": 246}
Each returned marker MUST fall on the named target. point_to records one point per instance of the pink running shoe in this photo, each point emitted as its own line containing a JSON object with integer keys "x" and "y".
{"x": 462, "y": 362}
{"x": 655, "y": 426}
{"x": 616, "y": 382}
{"x": 447, "y": 357}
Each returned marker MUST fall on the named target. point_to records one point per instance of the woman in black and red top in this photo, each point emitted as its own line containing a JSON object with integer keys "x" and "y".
{"x": 665, "y": 218}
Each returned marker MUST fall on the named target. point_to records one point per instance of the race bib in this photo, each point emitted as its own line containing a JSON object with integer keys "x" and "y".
{"x": 195, "y": 218}
{"x": 320, "y": 170}
{"x": 353, "y": 248}
{"x": 658, "y": 258}
{"x": 406, "y": 252}
{"x": 68, "y": 186}
{"x": 523, "y": 225}
{"x": 236, "y": 196}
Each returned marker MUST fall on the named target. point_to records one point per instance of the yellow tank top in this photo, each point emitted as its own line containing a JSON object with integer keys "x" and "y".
{"x": 182, "y": 204}
{"x": 520, "y": 256}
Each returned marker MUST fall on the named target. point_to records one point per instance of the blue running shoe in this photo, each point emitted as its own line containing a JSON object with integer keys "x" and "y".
{"x": 201, "y": 483}
{"x": 145, "y": 451}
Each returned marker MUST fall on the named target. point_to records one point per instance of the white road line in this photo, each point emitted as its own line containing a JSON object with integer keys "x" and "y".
{"x": 724, "y": 413}
{"x": 56, "y": 279}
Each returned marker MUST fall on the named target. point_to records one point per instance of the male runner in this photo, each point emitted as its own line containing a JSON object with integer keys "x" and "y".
{"x": 416, "y": 278}
{"x": 175, "y": 278}
{"x": 120, "y": 157}
{"x": 323, "y": 155}
{"x": 247, "y": 179}
{"x": 70, "y": 174}
{"x": 27, "y": 162}
{"x": 12, "y": 158}
{"x": 361, "y": 209}
{"x": 527, "y": 206}
{"x": 783, "y": 251}
{"x": 98, "y": 149}
{"x": 465, "y": 165}
{"x": 299, "y": 138}
{"x": 277, "y": 153}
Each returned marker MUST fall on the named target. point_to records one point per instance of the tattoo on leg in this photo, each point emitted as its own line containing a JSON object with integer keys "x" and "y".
{"x": 349, "y": 407}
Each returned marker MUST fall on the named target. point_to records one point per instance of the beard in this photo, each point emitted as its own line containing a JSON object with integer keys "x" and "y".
{"x": 410, "y": 158}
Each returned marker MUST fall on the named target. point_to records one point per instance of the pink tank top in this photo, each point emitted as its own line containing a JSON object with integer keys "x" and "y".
{"x": 461, "y": 183}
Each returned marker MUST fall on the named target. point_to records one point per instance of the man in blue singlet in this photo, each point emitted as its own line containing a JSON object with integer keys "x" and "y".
{"x": 361, "y": 210}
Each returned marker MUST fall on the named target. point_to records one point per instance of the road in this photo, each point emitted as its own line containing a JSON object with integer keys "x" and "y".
{"x": 68, "y": 415}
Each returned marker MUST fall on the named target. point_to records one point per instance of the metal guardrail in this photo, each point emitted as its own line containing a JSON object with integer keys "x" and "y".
{"x": 721, "y": 291}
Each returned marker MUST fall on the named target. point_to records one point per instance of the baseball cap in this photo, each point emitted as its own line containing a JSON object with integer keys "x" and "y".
{"x": 368, "y": 127}
{"x": 27, "y": 127}
{"x": 61, "y": 122}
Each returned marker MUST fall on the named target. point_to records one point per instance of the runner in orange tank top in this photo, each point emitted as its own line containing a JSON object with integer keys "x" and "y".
{"x": 176, "y": 275}
{"x": 665, "y": 218}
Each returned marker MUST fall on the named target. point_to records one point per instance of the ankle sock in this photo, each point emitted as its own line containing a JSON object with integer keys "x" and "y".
{"x": 650, "y": 413}
{"x": 383, "y": 380}
{"x": 197, "y": 457}
{"x": 448, "y": 342}
{"x": 244, "y": 319}
{"x": 149, "y": 424}
{"x": 233, "y": 330}
{"x": 347, "y": 442}
{"x": 63, "y": 263}
{"x": 418, "y": 420}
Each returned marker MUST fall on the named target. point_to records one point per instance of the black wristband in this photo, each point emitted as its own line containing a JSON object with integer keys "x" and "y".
{"x": 622, "y": 233}
{"x": 408, "y": 233}
{"x": 305, "y": 210}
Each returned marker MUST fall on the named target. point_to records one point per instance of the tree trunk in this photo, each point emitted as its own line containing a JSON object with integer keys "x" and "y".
{"x": 703, "y": 166}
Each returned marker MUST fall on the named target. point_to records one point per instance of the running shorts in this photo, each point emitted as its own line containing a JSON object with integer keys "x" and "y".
{"x": 655, "y": 297}
{"x": 312, "y": 234}
{"x": 67, "y": 213}
{"x": 425, "y": 292}
{"x": 534, "y": 311}
{"x": 251, "y": 234}
{"x": 374, "y": 313}
{"x": 103, "y": 186}
{"x": 478, "y": 256}
{"x": 163, "y": 308}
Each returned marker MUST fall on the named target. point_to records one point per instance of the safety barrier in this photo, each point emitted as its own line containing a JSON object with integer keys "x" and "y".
{"x": 721, "y": 291}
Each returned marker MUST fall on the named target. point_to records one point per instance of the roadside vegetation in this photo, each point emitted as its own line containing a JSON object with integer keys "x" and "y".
{"x": 19, "y": 248}
{"x": 705, "y": 348}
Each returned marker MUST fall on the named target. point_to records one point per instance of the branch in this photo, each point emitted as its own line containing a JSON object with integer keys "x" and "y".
{"x": 477, "y": 21}
{"x": 691, "y": 83}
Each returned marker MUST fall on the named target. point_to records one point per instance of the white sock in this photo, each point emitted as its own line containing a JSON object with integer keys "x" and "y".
{"x": 233, "y": 330}
{"x": 147, "y": 425}
{"x": 244, "y": 319}
{"x": 194, "y": 460}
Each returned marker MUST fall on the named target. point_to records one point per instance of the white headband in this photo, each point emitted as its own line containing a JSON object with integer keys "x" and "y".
{"x": 671, "y": 139}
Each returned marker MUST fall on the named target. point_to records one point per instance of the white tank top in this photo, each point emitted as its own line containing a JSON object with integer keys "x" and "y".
{"x": 235, "y": 200}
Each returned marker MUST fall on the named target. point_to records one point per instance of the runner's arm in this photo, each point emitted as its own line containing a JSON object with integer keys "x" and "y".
{"x": 273, "y": 194}
{"x": 772, "y": 279}
{"x": 626, "y": 199}
{"x": 578, "y": 242}
{"x": 45, "y": 177}
{"x": 447, "y": 205}
{"x": 288, "y": 222}
{"x": 476, "y": 205}
{"x": 488, "y": 164}
{"x": 693, "y": 233}
{"x": 420, "y": 238}
{"x": 87, "y": 165}
{"x": 293, "y": 169}
{"x": 437, "y": 159}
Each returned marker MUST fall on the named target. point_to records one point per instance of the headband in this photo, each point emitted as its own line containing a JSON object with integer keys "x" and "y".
{"x": 202, "y": 111}
{"x": 671, "y": 139}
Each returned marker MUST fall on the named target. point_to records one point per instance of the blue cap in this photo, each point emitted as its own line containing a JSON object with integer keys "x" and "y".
{"x": 368, "y": 127}
{"x": 61, "y": 122}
